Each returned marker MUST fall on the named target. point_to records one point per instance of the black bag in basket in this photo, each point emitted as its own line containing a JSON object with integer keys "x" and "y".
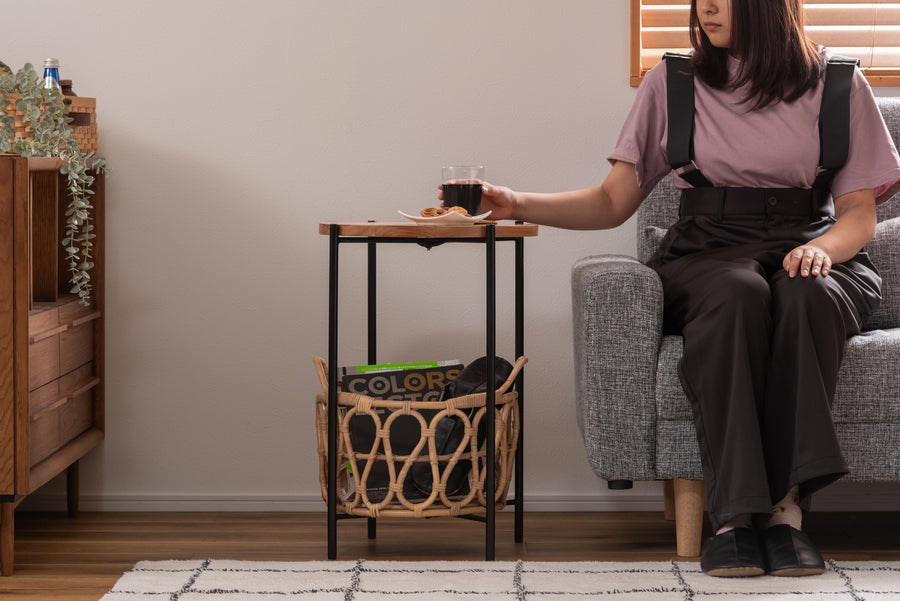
{"x": 450, "y": 430}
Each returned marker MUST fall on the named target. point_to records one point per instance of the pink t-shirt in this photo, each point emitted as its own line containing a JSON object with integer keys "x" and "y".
{"x": 773, "y": 147}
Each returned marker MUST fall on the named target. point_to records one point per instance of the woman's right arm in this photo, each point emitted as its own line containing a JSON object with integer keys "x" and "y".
{"x": 613, "y": 202}
{"x": 604, "y": 207}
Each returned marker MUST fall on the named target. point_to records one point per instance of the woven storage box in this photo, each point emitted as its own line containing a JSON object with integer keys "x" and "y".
{"x": 355, "y": 467}
{"x": 83, "y": 112}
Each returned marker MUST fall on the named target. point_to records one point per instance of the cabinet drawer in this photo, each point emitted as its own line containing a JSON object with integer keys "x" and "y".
{"x": 60, "y": 411}
{"x": 43, "y": 436}
{"x": 43, "y": 397}
{"x": 76, "y": 416}
{"x": 76, "y": 347}
{"x": 43, "y": 361}
{"x": 61, "y": 338}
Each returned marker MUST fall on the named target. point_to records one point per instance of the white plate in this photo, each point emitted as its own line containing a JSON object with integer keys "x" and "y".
{"x": 448, "y": 218}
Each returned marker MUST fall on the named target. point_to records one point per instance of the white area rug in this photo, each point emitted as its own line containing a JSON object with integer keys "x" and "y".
{"x": 489, "y": 581}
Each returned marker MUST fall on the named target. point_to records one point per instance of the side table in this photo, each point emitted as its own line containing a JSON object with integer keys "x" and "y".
{"x": 429, "y": 236}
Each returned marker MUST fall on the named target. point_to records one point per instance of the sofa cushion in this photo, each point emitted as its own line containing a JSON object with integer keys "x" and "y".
{"x": 649, "y": 240}
{"x": 884, "y": 250}
{"x": 671, "y": 402}
{"x": 866, "y": 415}
{"x": 868, "y": 371}
{"x": 872, "y": 451}
{"x": 677, "y": 451}
{"x": 867, "y": 376}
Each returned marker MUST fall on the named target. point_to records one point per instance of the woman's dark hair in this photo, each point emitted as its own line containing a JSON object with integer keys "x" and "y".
{"x": 778, "y": 61}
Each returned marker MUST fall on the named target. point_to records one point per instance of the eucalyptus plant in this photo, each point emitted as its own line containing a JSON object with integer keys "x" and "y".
{"x": 46, "y": 118}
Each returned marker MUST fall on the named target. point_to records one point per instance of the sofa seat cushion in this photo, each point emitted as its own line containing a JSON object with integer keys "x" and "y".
{"x": 868, "y": 373}
{"x": 872, "y": 451}
{"x": 867, "y": 377}
{"x": 866, "y": 414}
{"x": 677, "y": 451}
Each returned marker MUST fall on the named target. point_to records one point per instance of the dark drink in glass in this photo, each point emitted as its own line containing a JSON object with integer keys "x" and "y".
{"x": 465, "y": 195}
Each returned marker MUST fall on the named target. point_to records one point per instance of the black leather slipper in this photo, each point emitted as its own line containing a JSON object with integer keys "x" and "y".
{"x": 733, "y": 554}
{"x": 789, "y": 552}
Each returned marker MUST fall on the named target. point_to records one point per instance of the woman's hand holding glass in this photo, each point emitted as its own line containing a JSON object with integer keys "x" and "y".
{"x": 499, "y": 200}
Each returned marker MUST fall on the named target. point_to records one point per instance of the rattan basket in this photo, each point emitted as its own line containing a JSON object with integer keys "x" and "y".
{"x": 355, "y": 467}
{"x": 82, "y": 110}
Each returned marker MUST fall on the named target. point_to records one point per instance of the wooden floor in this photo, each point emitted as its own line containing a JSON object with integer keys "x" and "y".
{"x": 81, "y": 558}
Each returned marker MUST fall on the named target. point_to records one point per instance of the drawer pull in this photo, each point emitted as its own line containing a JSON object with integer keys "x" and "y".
{"x": 38, "y": 336}
{"x": 59, "y": 402}
{"x": 86, "y": 318}
{"x": 63, "y": 399}
{"x": 84, "y": 387}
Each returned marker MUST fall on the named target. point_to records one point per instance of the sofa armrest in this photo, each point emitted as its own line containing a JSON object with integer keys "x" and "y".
{"x": 617, "y": 305}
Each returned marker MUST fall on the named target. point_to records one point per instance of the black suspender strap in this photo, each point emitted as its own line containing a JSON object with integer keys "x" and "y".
{"x": 680, "y": 107}
{"x": 834, "y": 117}
{"x": 680, "y": 110}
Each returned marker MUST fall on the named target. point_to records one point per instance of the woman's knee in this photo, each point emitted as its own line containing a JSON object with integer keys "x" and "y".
{"x": 814, "y": 297}
{"x": 741, "y": 290}
{"x": 717, "y": 292}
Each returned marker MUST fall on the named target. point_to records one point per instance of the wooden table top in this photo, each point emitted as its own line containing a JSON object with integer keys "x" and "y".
{"x": 385, "y": 229}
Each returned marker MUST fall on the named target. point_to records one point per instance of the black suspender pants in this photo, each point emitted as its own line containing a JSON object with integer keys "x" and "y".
{"x": 761, "y": 350}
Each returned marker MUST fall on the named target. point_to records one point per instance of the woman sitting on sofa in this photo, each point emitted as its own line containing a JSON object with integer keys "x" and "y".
{"x": 763, "y": 274}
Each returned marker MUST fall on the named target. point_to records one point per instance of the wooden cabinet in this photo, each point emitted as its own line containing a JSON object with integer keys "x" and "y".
{"x": 51, "y": 346}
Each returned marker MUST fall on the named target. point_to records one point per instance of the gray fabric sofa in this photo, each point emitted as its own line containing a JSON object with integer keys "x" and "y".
{"x": 633, "y": 414}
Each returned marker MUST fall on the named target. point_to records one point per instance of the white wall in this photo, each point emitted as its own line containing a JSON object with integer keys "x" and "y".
{"x": 233, "y": 129}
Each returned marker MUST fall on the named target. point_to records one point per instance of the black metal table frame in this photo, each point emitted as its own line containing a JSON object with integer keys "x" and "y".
{"x": 489, "y": 240}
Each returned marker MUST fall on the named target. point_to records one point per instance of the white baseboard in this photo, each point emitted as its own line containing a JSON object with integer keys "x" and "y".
{"x": 846, "y": 498}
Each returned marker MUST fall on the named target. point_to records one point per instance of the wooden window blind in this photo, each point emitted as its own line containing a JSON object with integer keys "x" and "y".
{"x": 869, "y": 31}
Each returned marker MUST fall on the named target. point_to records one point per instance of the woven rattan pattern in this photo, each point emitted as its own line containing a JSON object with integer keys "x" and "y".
{"x": 353, "y": 498}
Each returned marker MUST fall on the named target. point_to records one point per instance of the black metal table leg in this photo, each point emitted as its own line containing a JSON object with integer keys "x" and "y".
{"x": 520, "y": 384}
{"x": 332, "y": 388}
{"x": 372, "y": 338}
{"x": 490, "y": 390}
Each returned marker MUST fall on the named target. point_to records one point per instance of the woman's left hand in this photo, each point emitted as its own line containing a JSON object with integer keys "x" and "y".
{"x": 807, "y": 260}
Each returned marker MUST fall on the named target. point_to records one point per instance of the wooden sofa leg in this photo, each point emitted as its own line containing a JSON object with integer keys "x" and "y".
{"x": 669, "y": 499}
{"x": 688, "y": 516}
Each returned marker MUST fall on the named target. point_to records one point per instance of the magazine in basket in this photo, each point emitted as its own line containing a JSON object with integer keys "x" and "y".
{"x": 423, "y": 381}
{"x": 400, "y": 381}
